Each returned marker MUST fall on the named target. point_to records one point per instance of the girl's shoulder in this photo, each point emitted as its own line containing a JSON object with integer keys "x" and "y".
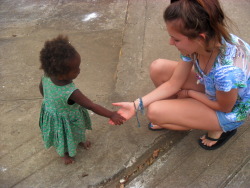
{"x": 239, "y": 42}
{"x": 236, "y": 48}
{"x": 58, "y": 83}
{"x": 46, "y": 80}
{"x": 50, "y": 85}
{"x": 236, "y": 53}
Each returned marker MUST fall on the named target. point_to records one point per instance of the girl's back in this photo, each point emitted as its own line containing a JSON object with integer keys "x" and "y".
{"x": 63, "y": 125}
{"x": 56, "y": 97}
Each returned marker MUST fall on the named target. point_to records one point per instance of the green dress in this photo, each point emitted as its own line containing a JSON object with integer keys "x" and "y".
{"x": 63, "y": 126}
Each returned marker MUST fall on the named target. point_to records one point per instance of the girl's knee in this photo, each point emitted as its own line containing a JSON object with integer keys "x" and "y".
{"x": 152, "y": 111}
{"x": 158, "y": 112}
{"x": 156, "y": 66}
{"x": 161, "y": 70}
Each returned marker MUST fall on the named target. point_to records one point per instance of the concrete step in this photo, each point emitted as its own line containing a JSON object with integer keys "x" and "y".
{"x": 184, "y": 164}
{"x": 188, "y": 165}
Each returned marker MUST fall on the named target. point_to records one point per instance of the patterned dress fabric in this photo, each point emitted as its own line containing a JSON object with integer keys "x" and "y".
{"x": 62, "y": 125}
{"x": 231, "y": 70}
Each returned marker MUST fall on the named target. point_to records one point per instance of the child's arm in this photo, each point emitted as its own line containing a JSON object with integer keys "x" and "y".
{"x": 41, "y": 87}
{"x": 84, "y": 101}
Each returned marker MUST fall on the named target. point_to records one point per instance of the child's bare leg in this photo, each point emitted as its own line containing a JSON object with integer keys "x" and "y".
{"x": 85, "y": 145}
{"x": 67, "y": 159}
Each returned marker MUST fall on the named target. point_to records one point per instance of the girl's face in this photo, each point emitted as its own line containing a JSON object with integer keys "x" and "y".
{"x": 185, "y": 45}
{"x": 74, "y": 68}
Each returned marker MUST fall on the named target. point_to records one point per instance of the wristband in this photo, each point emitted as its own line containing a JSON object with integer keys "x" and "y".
{"x": 136, "y": 114}
{"x": 139, "y": 108}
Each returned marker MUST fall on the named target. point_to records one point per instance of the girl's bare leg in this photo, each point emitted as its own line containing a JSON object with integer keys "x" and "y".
{"x": 68, "y": 160}
{"x": 181, "y": 114}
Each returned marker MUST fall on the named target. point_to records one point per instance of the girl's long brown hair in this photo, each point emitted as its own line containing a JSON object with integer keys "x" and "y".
{"x": 198, "y": 16}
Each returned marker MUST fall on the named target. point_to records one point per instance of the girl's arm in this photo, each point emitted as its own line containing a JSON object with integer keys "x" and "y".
{"x": 170, "y": 87}
{"x": 84, "y": 101}
{"x": 41, "y": 87}
{"x": 165, "y": 90}
{"x": 224, "y": 103}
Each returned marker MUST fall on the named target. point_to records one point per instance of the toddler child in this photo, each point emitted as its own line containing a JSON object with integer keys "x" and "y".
{"x": 64, "y": 117}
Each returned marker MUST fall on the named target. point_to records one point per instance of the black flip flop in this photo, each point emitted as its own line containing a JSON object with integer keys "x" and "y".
{"x": 150, "y": 125}
{"x": 225, "y": 136}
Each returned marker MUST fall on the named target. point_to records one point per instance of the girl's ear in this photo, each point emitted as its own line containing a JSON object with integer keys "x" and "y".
{"x": 202, "y": 36}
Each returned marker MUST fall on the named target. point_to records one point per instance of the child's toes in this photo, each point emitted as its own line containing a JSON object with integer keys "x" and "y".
{"x": 68, "y": 160}
{"x": 85, "y": 145}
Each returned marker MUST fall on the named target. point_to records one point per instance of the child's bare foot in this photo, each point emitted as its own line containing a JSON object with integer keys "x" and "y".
{"x": 67, "y": 159}
{"x": 85, "y": 145}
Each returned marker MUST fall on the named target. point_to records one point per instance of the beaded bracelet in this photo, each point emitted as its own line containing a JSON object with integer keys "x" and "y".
{"x": 136, "y": 114}
{"x": 140, "y": 108}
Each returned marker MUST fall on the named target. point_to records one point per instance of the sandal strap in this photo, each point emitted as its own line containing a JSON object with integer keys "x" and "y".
{"x": 212, "y": 139}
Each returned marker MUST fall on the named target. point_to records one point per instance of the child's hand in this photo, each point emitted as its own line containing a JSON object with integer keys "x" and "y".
{"x": 116, "y": 119}
{"x": 127, "y": 109}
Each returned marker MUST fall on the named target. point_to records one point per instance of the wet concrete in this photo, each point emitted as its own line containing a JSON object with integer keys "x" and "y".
{"x": 117, "y": 40}
{"x": 95, "y": 28}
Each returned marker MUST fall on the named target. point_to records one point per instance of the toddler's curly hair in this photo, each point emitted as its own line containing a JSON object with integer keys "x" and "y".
{"x": 55, "y": 56}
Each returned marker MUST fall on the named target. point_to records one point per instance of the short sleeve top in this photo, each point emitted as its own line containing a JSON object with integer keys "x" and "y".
{"x": 231, "y": 70}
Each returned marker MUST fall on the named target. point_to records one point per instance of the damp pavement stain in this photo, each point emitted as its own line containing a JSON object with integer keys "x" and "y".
{"x": 90, "y": 17}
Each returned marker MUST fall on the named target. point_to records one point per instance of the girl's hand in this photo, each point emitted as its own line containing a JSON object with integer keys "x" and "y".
{"x": 127, "y": 109}
{"x": 116, "y": 119}
{"x": 182, "y": 94}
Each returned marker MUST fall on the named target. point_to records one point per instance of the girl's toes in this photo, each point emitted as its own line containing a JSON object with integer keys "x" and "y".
{"x": 203, "y": 137}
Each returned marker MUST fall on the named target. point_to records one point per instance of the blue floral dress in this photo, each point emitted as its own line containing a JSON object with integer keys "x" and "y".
{"x": 231, "y": 70}
{"x": 63, "y": 125}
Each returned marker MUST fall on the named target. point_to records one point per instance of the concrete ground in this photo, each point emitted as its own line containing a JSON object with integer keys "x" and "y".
{"x": 117, "y": 40}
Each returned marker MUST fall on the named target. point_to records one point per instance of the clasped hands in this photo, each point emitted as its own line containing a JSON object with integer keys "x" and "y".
{"x": 125, "y": 112}
{"x": 127, "y": 109}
